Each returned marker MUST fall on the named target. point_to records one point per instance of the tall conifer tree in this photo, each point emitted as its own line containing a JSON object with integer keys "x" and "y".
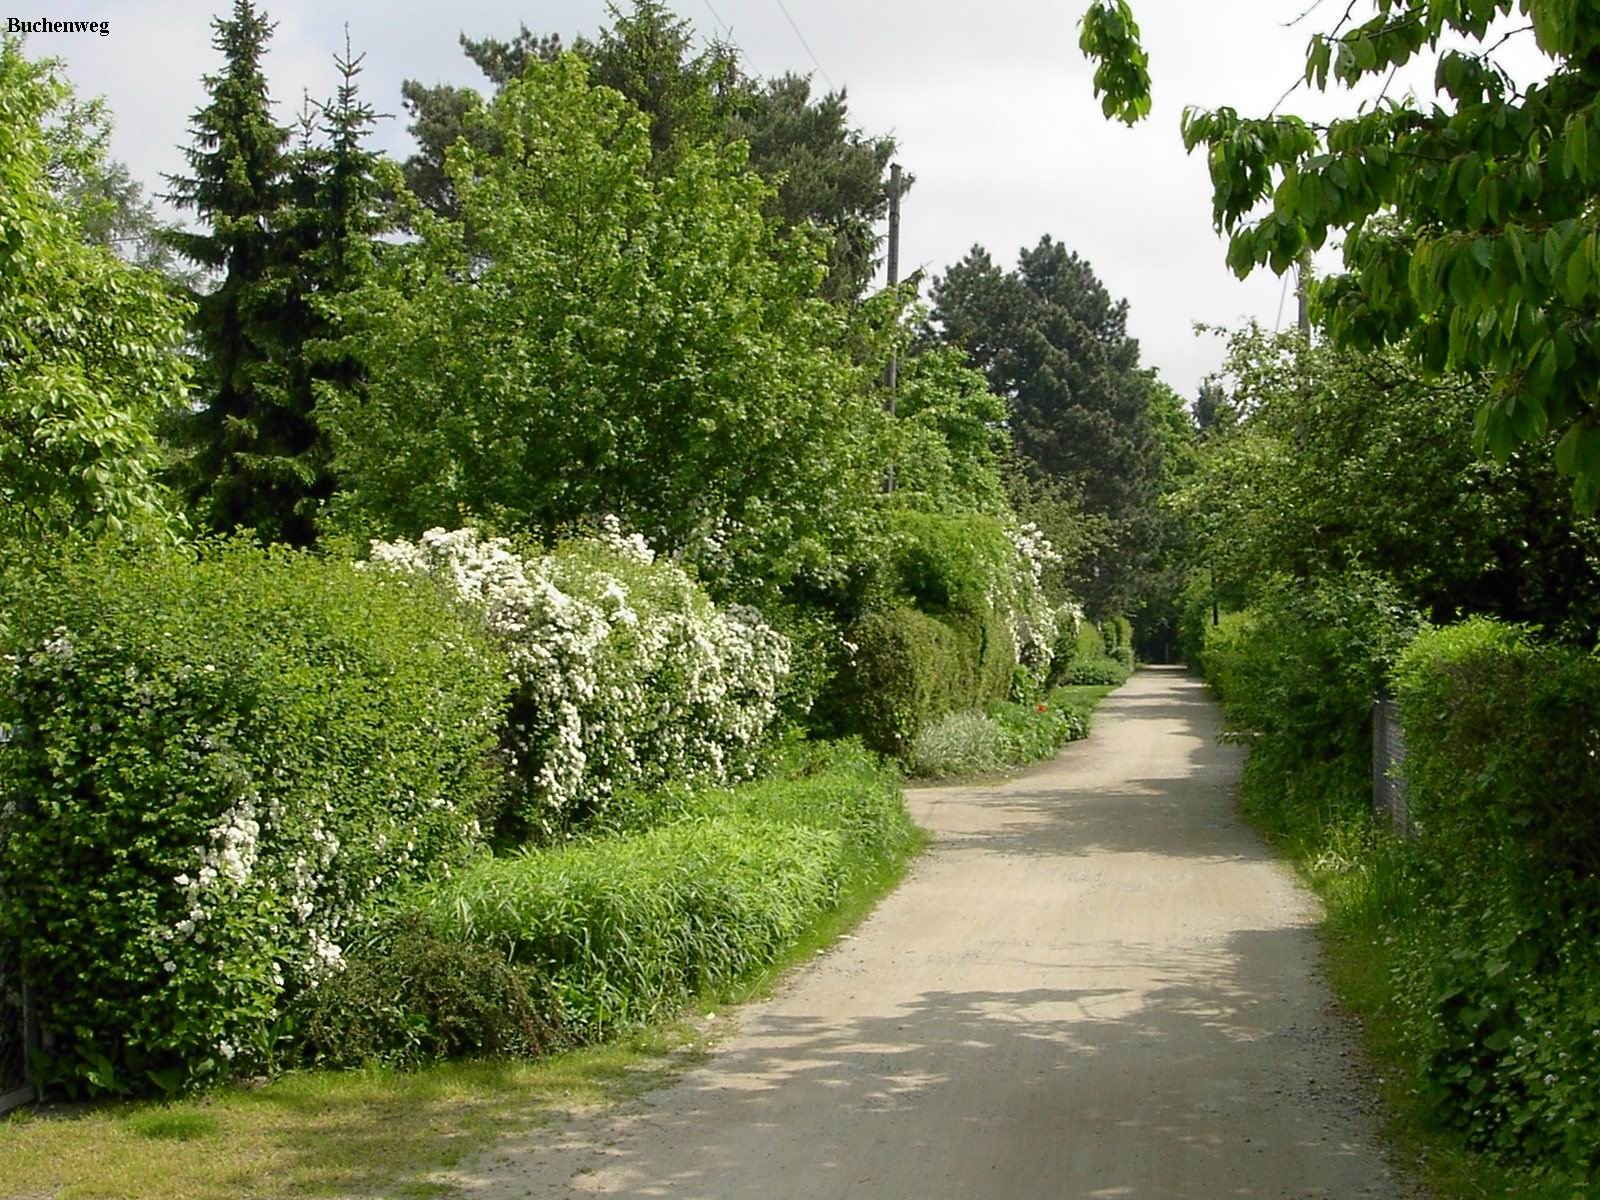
{"x": 251, "y": 439}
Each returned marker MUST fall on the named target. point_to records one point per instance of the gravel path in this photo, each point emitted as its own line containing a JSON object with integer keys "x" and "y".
{"x": 1096, "y": 983}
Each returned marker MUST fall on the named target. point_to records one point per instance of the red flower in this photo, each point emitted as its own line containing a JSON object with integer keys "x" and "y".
{"x": 1041, "y": 707}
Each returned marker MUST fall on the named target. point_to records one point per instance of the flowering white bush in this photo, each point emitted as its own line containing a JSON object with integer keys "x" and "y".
{"x": 1033, "y": 620}
{"x": 626, "y": 674}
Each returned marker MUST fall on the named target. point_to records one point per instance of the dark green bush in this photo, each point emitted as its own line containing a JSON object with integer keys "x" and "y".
{"x": 408, "y": 996}
{"x": 1298, "y": 674}
{"x": 628, "y": 928}
{"x": 911, "y": 668}
{"x": 1118, "y": 634}
{"x": 1090, "y": 642}
{"x": 224, "y": 758}
{"x": 1504, "y": 735}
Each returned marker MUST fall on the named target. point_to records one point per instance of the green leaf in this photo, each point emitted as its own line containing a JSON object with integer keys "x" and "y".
{"x": 1578, "y": 275}
{"x": 1577, "y": 147}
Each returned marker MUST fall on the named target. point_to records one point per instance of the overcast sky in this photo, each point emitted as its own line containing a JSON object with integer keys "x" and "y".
{"x": 991, "y": 101}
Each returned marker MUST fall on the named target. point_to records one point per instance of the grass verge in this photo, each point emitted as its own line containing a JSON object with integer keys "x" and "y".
{"x": 375, "y": 1132}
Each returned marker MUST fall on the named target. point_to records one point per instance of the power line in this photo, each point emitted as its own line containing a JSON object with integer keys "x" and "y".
{"x": 807, "y": 45}
{"x": 726, "y": 28}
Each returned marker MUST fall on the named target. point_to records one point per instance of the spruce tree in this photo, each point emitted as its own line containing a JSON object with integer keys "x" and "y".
{"x": 347, "y": 215}
{"x": 251, "y": 441}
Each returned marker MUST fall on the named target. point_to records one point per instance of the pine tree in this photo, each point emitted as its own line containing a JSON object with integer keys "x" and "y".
{"x": 251, "y": 440}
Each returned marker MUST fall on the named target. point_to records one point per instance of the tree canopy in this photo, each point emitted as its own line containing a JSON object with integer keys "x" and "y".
{"x": 1345, "y": 460}
{"x": 90, "y": 345}
{"x": 1471, "y": 227}
{"x": 609, "y": 339}
{"x": 826, "y": 173}
{"x": 1050, "y": 339}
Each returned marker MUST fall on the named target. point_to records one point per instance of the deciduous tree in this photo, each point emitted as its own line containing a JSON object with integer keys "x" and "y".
{"x": 90, "y": 345}
{"x": 1471, "y": 225}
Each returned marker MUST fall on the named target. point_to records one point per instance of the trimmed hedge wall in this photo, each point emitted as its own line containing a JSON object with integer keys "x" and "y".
{"x": 1503, "y": 737}
{"x": 224, "y": 760}
{"x": 911, "y": 668}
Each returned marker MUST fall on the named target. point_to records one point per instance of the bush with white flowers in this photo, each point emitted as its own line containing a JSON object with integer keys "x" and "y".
{"x": 221, "y": 762}
{"x": 626, "y": 674}
{"x": 1034, "y": 621}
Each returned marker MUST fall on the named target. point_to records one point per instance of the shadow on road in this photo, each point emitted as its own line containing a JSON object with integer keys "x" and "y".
{"x": 1172, "y": 1092}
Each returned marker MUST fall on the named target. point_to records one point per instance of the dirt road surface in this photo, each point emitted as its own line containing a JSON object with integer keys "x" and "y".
{"x": 1096, "y": 983}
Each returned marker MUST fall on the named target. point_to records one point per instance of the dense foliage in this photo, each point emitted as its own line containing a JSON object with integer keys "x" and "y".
{"x": 608, "y": 340}
{"x": 1504, "y": 785}
{"x": 1487, "y": 918}
{"x": 825, "y": 174}
{"x": 90, "y": 346}
{"x": 222, "y": 760}
{"x": 1470, "y": 225}
{"x": 490, "y": 790}
{"x": 1332, "y": 460}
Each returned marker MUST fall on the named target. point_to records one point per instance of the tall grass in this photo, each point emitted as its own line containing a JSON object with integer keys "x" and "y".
{"x": 628, "y": 926}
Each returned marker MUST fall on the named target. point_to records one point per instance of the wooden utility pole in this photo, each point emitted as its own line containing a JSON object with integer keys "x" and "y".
{"x": 1304, "y": 275}
{"x": 891, "y": 377}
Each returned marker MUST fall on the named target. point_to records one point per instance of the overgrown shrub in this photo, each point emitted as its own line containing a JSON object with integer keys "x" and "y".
{"x": 407, "y": 996}
{"x": 1070, "y": 624}
{"x": 627, "y": 928}
{"x": 627, "y": 676}
{"x": 223, "y": 759}
{"x": 1299, "y": 674}
{"x": 1118, "y": 634}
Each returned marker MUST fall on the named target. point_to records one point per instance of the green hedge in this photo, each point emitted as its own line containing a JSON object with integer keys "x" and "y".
{"x": 1503, "y": 734}
{"x": 911, "y": 668}
{"x": 1504, "y": 955}
{"x": 627, "y": 928}
{"x": 1487, "y": 924}
{"x": 224, "y": 760}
